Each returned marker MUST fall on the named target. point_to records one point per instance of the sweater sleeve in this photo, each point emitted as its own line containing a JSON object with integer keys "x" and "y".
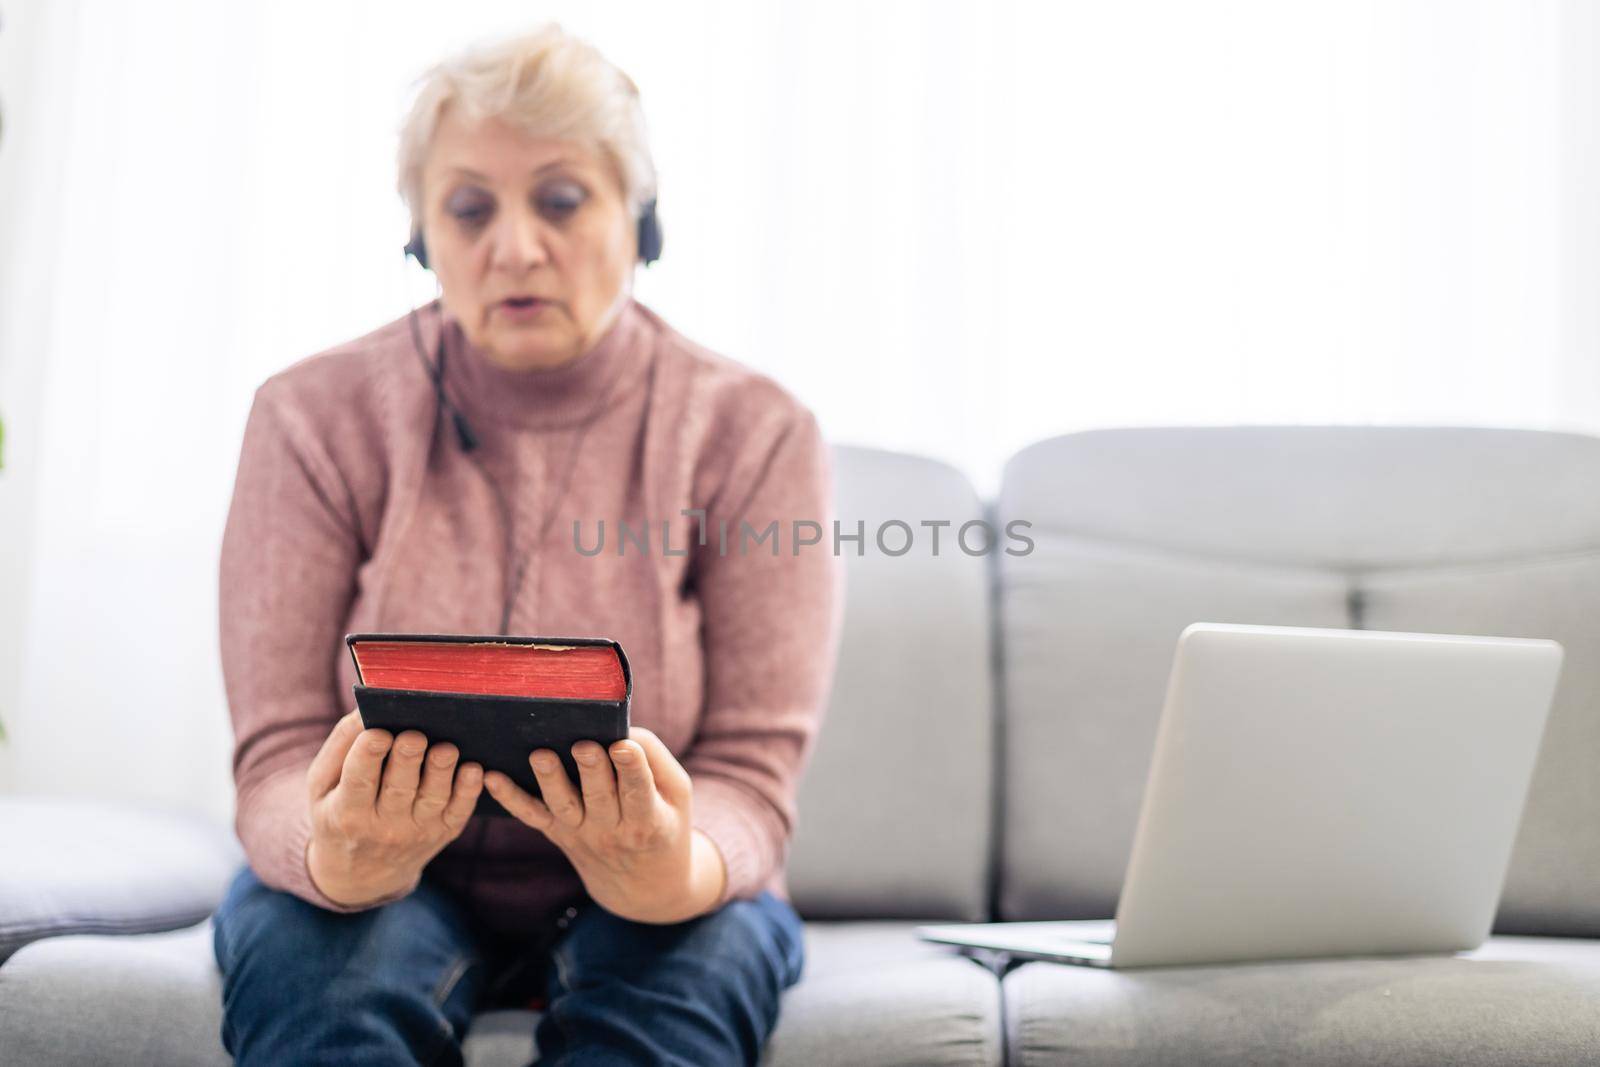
{"x": 770, "y": 634}
{"x": 287, "y": 578}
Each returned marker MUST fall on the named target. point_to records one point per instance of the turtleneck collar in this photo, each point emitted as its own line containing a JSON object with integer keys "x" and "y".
{"x": 557, "y": 396}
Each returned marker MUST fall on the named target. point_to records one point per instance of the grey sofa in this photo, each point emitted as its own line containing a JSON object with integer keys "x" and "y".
{"x": 984, "y": 756}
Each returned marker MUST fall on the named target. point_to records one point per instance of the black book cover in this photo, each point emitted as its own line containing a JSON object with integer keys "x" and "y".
{"x": 497, "y": 731}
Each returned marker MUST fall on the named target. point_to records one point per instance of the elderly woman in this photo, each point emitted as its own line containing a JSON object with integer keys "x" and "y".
{"x": 432, "y": 476}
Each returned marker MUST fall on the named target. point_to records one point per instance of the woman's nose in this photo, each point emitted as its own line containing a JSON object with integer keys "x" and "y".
{"x": 520, "y": 242}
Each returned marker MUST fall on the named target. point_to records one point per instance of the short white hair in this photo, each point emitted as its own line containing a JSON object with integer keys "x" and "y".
{"x": 548, "y": 83}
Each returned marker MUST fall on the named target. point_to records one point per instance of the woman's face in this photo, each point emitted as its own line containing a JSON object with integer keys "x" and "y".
{"x": 506, "y": 216}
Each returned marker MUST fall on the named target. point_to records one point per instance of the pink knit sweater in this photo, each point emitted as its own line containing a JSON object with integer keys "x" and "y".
{"x": 355, "y": 509}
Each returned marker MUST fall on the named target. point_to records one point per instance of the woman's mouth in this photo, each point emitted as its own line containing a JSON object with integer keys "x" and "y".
{"x": 521, "y": 308}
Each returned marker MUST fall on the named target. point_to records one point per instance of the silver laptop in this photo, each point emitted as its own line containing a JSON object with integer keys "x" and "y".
{"x": 1317, "y": 792}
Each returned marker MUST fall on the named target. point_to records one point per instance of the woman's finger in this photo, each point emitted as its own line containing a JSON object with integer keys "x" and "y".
{"x": 398, "y": 790}
{"x": 635, "y": 783}
{"x": 671, "y": 780}
{"x": 363, "y": 767}
{"x": 518, "y": 801}
{"x": 325, "y": 766}
{"x": 464, "y": 797}
{"x": 559, "y": 796}
{"x": 599, "y": 784}
{"x": 438, "y": 774}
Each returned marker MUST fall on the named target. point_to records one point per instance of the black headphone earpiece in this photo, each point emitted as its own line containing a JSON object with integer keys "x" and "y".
{"x": 417, "y": 250}
{"x": 650, "y": 239}
{"x": 649, "y": 235}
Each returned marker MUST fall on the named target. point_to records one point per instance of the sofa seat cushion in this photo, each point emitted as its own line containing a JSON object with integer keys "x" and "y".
{"x": 83, "y": 866}
{"x": 142, "y": 999}
{"x": 1515, "y": 1002}
{"x": 872, "y": 994}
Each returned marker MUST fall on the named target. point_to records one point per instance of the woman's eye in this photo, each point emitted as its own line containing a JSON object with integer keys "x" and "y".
{"x": 468, "y": 206}
{"x": 560, "y": 202}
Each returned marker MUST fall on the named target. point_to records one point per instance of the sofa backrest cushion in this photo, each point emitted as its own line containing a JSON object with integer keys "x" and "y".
{"x": 895, "y": 810}
{"x": 1139, "y": 532}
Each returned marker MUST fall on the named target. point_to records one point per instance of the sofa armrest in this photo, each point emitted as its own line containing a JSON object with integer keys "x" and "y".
{"x": 78, "y": 866}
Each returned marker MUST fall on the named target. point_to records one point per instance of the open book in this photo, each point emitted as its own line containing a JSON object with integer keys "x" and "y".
{"x": 495, "y": 698}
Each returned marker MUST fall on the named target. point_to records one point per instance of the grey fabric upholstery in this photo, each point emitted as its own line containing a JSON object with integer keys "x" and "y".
{"x": 85, "y": 867}
{"x": 1140, "y": 532}
{"x": 94, "y": 999}
{"x": 895, "y": 808}
{"x": 1515, "y": 1002}
{"x": 872, "y": 995}
{"x": 1336, "y": 497}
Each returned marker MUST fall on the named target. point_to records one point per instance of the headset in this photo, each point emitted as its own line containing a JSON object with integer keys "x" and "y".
{"x": 650, "y": 242}
{"x": 650, "y": 239}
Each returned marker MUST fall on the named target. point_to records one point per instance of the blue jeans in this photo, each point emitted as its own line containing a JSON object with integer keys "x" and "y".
{"x": 400, "y": 983}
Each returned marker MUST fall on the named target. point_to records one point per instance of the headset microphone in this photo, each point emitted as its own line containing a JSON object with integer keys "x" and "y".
{"x": 464, "y": 434}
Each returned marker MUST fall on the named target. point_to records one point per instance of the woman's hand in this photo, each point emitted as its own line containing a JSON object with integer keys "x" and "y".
{"x": 629, "y": 834}
{"x": 373, "y": 828}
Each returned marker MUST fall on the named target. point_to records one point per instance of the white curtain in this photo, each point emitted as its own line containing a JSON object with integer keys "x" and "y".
{"x": 950, "y": 228}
